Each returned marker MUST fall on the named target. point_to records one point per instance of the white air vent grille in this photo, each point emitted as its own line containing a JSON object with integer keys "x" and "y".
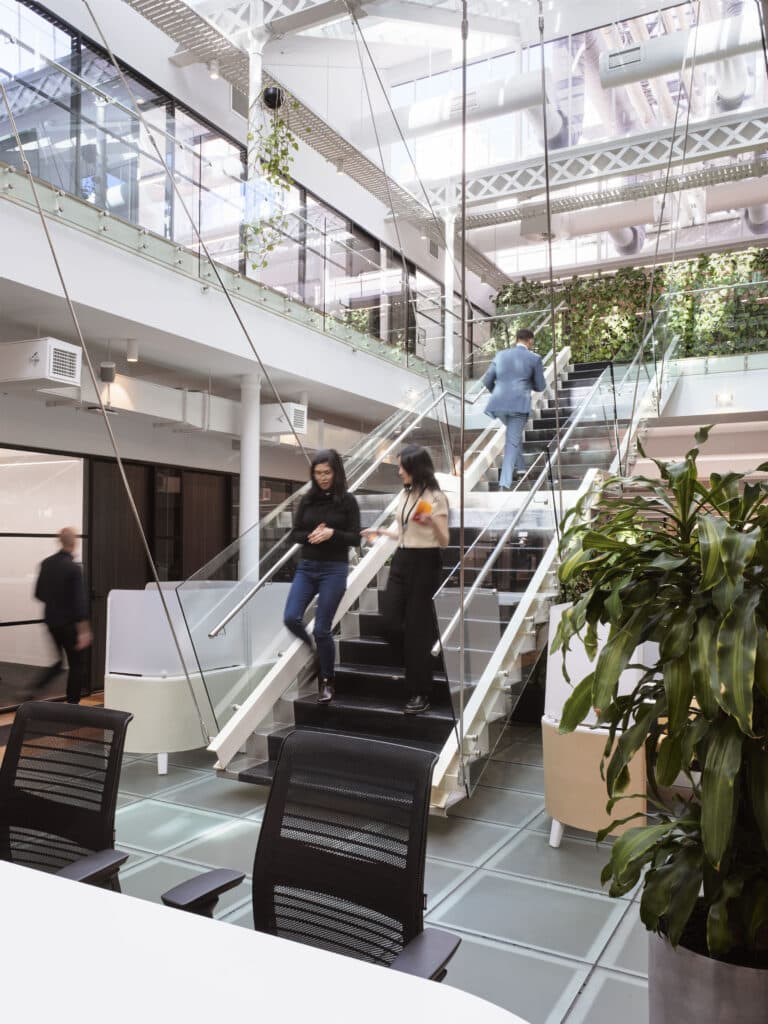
{"x": 621, "y": 58}
{"x": 299, "y": 418}
{"x": 63, "y": 365}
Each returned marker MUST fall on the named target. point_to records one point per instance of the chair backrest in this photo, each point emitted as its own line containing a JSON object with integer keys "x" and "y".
{"x": 58, "y": 783}
{"x": 340, "y": 858}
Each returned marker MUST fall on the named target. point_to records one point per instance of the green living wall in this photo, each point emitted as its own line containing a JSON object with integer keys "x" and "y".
{"x": 715, "y": 305}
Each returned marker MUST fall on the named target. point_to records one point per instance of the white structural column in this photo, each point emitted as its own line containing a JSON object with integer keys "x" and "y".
{"x": 258, "y": 36}
{"x": 449, "y": 319}
{"x": 250, "y": 451}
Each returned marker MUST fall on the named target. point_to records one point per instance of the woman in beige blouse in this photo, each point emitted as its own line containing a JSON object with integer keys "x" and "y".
{"x": 421, "y": 530}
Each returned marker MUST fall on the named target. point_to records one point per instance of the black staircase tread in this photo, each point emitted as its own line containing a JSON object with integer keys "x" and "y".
{"x": 378, "y": 705}
{"x": 393, "y": 672}
{"x": 259, "y": 774}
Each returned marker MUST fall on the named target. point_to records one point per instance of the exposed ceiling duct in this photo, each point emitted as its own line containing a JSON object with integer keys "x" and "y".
{"x": 731, "y": 73}
{"x": 627, "y": 222}
{"x": 438, "y": 113}
{"x": 664, "y": 55}
{"x": 628, "y": 241}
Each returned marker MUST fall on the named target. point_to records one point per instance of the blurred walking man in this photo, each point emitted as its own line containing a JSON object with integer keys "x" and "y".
{"x": 60, "y": 587}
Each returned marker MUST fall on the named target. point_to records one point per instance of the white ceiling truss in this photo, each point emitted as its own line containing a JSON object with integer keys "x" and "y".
{"x": 700, "y": 178}
{"x": 641, "y": 154}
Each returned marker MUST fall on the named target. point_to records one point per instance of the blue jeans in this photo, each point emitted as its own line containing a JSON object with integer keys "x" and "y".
{"x": 327, "y": 581}
{"x": 513, "y": 456}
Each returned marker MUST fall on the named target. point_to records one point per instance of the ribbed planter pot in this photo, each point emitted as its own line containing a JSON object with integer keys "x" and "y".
{"x": 685, "y": 986}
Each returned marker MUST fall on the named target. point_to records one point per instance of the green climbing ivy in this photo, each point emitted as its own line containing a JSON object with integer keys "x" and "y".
{"x": 716, "y": 305}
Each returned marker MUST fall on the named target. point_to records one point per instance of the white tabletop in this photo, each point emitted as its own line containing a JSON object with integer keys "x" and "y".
{"x": 74, "y": 953}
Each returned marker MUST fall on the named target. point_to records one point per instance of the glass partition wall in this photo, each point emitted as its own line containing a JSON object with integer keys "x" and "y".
{"x": 39, "y": 494}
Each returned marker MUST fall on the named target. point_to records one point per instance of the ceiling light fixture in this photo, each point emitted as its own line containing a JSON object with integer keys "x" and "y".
{"x": 132, "y": 350}
{"x": 214, "y": 70}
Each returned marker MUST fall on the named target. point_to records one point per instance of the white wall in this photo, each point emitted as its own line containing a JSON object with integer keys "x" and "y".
{"x": 695, "y": 394}
{"x": 111, "y": 280}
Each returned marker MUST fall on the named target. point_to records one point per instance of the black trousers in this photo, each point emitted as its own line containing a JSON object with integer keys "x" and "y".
{"x": 65, "y": 638}
{"x": 409, "y": 620}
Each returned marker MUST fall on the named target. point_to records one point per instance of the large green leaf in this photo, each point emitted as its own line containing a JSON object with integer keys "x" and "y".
{"x": 758, "y": 787}
{"x": 718, "y": 789}
{"x": 666, "y": 901}
{"x": 631, "y": 851}
{"x": 678, "y": 630}
{"x": 720, "y": 934}
{"x": 678, "y": 687}
{"x": 736, "y": 652}
{"x": 704, "y": 665}
{"x": 595, "y": 541}
{"x": 578, "y": 705}
{"x": 702, "y": 433}
{"x": 711, "y": 530}
{"x": 615, "y": 657}
{"x": 630, "y": 741}
{"x": 736, "y": 551}
{"x": 670, "y": 760}
{"x": 685, "y": 894}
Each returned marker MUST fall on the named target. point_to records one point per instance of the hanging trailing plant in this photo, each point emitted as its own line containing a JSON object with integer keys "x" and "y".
{"x": 273, "y": 152}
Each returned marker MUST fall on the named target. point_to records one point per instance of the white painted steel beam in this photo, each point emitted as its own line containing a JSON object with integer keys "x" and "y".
{"x": 641, "y": 154}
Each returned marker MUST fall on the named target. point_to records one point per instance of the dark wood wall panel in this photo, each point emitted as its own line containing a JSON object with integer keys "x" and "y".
{"x": 116, "y": 554}
{"x": 205, "y": 518}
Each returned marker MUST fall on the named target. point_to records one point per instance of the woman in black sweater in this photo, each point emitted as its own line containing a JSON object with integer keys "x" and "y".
{"x": 327, "y": 525}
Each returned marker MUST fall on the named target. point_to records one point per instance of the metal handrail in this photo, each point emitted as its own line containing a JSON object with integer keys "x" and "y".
{"x": 292, "y": 550}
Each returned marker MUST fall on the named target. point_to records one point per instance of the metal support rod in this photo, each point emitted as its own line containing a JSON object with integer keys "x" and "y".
{"x": 551, "y": 278}
{"x": 463, "y": 359}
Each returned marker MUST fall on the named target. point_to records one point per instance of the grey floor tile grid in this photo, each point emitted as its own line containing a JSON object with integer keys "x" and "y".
{"x": 539, "y": 935}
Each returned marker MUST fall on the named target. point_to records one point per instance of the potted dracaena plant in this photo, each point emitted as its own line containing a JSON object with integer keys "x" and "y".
{"x": 684, "y": 564}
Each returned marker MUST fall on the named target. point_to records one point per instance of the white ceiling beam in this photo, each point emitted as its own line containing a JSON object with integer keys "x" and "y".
{"x": 310, "y": 17}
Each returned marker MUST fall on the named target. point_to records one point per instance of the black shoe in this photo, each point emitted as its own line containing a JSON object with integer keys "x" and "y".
{"x": 325, "y": 696}
{"x": 416, "y": 705}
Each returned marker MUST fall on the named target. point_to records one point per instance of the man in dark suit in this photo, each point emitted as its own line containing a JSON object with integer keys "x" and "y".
{"x": 510, "y": 378}
{"x": 60, "y": 587}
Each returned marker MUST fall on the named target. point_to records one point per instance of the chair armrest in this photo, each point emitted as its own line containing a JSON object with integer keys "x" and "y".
{"x": 427, "y": 954}
{"x": 95, "y": 869}
{"x": 201, "y": 894}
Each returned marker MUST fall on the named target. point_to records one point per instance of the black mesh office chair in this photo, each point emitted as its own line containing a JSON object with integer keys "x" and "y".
{"x": 340, "y": 858}
{"x": 58, "y": 790}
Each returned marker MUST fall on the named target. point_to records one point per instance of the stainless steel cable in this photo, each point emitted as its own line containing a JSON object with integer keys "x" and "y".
{"x": 550, "y": 270}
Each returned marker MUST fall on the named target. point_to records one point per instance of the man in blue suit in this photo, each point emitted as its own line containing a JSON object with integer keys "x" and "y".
{"x": 510, "y": 378}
